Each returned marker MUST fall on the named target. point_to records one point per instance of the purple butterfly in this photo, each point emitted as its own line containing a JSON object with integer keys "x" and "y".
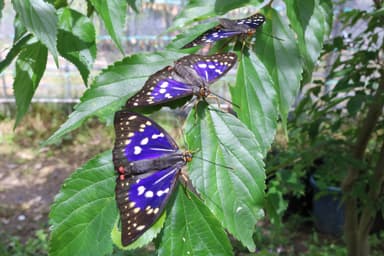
{"x": 229, "y": 28}
{"x": 189, "y": 76}
{"x": 148, "y": 162}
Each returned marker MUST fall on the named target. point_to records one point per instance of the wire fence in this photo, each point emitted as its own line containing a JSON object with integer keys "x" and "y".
{"x": 63, "y": 84}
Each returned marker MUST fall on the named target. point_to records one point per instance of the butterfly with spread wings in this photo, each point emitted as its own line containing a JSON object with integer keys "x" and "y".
{"x": 189, "y": 76}
{"x": 229, "y": 28}
{"x": 148, "y": 163}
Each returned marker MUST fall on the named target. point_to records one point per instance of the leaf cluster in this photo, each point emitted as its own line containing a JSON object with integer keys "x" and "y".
{"x": 325, "y": 124}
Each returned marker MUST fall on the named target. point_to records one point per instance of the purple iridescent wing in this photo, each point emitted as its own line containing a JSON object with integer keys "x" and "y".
{"x": 141, "y": 200}
{"x": 139, "y": 138}
{"x": 185, "y": 79}
{"x": 229, "y": 28}
{"x": 210, "y": 68}
{"x": 161, "y": 87}
{"x": 253, "y": 21}
{"x": 148, "y": 162}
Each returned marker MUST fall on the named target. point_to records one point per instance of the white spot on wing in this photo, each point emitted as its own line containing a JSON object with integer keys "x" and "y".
{"x": 144, "y": 141}
{"x": 162, "y": 192}
{"x": 140, "y": 227}
{"x": 164, "y": 84}
{"x": 140, "y": 190}
{"x": 148, "y": 194}
{"x": 137, "y": 150}
{"x": 218, "y": 71}
{"x": 155, "y": 136}
{"x": 162, "y": 90}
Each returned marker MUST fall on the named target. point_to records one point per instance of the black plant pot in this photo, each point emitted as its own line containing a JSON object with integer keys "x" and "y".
{"x": 328, "y": 209}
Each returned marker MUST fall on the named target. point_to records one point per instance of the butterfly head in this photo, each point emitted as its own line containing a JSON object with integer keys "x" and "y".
{"x": 251, "y": 31}
{"x": 187, "y": 155}
{"x": 204, "y": 92}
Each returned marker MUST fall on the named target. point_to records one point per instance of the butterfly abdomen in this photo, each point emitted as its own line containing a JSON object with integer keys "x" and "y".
{"x": 231, "y": 25}
{"x": 160, "y": 163}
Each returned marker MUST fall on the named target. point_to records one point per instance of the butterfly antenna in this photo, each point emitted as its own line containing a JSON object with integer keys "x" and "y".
{"x": 274, "y": 37}
{"x": 224, "y": 99}
{"x": 221, "y": 165}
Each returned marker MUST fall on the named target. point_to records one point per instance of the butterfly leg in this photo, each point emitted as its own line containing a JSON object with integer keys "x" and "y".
{"x": 216, "y": 99}
{"x": 195, "y": 115}
{"x": 196, "y": 105}
{"x": 245, "y": 42}
{"x": 187, "y": 184}
{"x": 205, "y": 49}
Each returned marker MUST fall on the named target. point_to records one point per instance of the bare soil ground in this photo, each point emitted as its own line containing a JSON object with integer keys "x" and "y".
{"x": 31, "y": 176}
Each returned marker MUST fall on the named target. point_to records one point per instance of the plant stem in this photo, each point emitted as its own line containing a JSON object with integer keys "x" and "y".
{"x": 369, "y": 212}
{"x": 353, "y": 236}
{"x": 378, "y": 4}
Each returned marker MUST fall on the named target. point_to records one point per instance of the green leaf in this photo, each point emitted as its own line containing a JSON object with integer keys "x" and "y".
{"x": 312, "y": 21}
{"x": 233, "y": 188}
{"x": 20, "y": 30}
{"x": 113, "y": 87}
{"x": 113, "y": 14}
{"x": 355, "y": 104}
{"x": 257, "y": 98}
{"x": 191, "y": 229}
{"x": 379, "y": 13}
{"x": 14, "y": 51}
{"x": 76, "y": 40}
{"x": 144, "y": 239}
{"x": 84, "y": 211}
{"x": 201, "y": 9}
{"x": 132, "y": 4}
{"x": 275, "y": 205}
{"x": 40, "y": 18}
{"x": 182, "y": 39}
{"x": 59, "y": 3}
{"x": 223, "y": 6}
{"x": 1, "y": 7}
{"x": 20, "y": 39}
{"x": 281, "y": 58}
{"x": 30, "y": 67}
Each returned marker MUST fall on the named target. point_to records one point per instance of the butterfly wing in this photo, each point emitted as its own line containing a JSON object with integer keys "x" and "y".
{"x": 161, "y": 87}
{"x": 141, "y": 200}
{"x": 141, "y": 197}
{"x": 253, "y": 21}
{"x": 139, "y": 138}
{"x": 210, "y": 68}
{"x": 167, "y": 85}
{"x": 209, "y": 36}
{"x": 228, "y": 28}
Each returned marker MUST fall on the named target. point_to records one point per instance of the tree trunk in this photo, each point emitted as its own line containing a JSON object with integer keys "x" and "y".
{"x": 355, "y": 235}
